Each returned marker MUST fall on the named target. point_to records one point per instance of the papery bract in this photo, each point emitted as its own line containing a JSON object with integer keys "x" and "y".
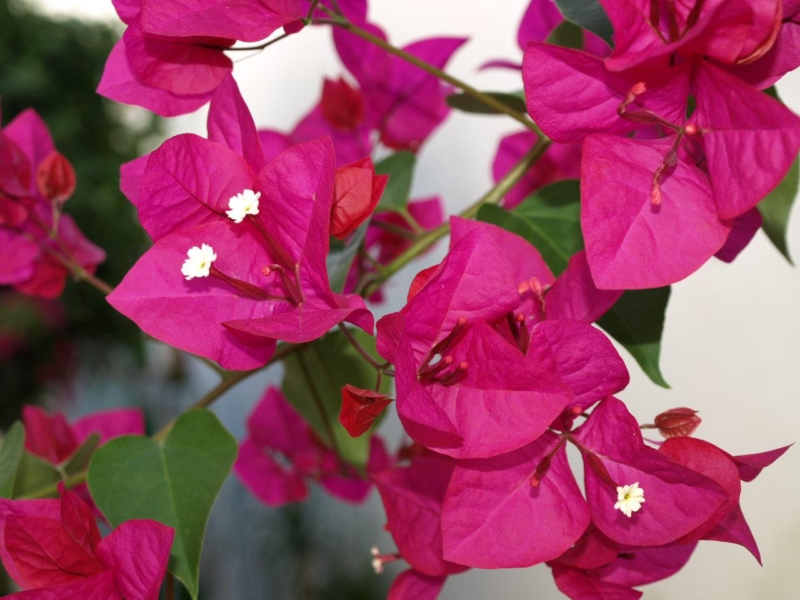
{"x": 356, "y": 192}
{"x": 494, "y": 517}
{"x": 678, "y": 500}
{"x": 282, "y": 452}
{"x": 412, "y": 497}
{"x": 53, "y": 548}
{"x": 55, "y": 439}
{"x": 360, "y": 408}
{"x": 280, "y": 291}
{"x": 413, "y": 585}
{"x": 403, "y": 102}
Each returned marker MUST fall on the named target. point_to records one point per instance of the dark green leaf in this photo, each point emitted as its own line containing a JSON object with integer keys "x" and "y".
{"x": 79, "y": 460}
{"x": 567, "y": 35}
{"x": 589, "y": 14}
{"x": 775, "y": 209}
{"x": 341, "y": 256}
{"x": 470, "y": 104}
{"x": 174, "y": 482}
{"x": 34, "y": 476}
{"x": 313, "y": 384}
{"x": 549, "y": 219}
{"x": 637, "y": 321}
{"x": 400, "y": 169}
{"x": 10, "y": 457}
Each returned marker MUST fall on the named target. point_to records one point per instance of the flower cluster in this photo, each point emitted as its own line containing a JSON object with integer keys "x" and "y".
{"x": 40, "y": 244}
{"x": 677, "y": 149}
{"x": 497, "y": 365}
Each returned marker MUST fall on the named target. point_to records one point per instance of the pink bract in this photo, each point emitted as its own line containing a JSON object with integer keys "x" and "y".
{"x": 282, "y": 452}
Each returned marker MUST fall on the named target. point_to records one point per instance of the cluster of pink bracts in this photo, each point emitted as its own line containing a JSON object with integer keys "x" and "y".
{"x": 498, "y": 368}
{"x": 36, "y": 239}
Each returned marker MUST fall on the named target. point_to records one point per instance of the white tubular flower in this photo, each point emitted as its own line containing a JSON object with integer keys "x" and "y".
{"x": 629, "y": 498}
{"x": 199, "y": 262}
{"x": 377, "y": 562}
{"x": 242, "y": 205}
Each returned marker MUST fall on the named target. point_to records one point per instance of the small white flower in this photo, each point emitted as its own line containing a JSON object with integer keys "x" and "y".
{"x": 629, "y": 498}
{"x": 199, "y": 262}
{"x": 377, "y": 561}
{"x": 243, "y": 204}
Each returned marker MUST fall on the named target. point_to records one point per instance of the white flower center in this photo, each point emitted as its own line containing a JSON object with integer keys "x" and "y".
{"x": 242, "y": 205}
{"x": 629, "y": 499}
{"x": 199, "y": 262}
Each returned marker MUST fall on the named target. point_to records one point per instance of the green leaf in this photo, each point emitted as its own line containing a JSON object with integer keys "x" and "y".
{"x": 567, "y": 35}
{"x": 315, "y": 376}
{"x": 175, "y": 482}
{"x": 588, "y": 14}
{"x": 341, "y": 256}
{"x": 470, "y": 104}
{"x": 549, "y": 219}
{"x": 400, "y": 169}
{"x": 35, "y": 477}
{"x": 10, "y": 457}
{"x": 637, "y": 321}
{"x": 775, "y": 209}
{"x": 79, "y": 460}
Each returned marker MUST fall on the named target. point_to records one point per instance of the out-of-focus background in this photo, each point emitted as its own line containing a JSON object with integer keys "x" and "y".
{"x": 731, "y": 345}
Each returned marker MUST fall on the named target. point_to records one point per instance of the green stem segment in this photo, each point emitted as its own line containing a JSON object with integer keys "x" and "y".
{"x": 229, "y": 380}
{"x": 493, "y": 196}
{"x": 52, "y": 490}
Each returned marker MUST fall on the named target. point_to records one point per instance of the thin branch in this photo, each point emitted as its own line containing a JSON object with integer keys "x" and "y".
{"x": 52, "y": 490}
{"x": 231, "y": 379}
{"x": 359, "y": 348}
{"x": 395, "y": 229}
{"x": 260, "y": 47}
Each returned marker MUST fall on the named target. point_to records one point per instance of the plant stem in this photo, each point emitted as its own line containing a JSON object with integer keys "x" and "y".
{"x": 395, "y": 229}
{"x": 267, "y": 44}
{"x": 359, "y": 348}
{"x": 493, "y": 196}
{"x": 229, "y": 380}
{"x": 170, "y": 586}
{"x": 485, "y": 99}
{"x": 50, "y": 490}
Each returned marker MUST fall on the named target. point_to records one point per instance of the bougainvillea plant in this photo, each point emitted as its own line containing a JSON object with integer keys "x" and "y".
{"x": 651, "y": 141}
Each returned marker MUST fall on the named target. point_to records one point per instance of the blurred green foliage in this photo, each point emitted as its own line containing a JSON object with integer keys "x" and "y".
{"x": 54, "y": 67}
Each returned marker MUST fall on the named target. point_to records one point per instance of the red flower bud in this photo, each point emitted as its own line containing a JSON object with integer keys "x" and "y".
{"x": 55, "y": 178}
{"x": 342, "y": 105}
{"x": 357, "y": 190}
{"x": 360, "y": 408}
{"x": 677, "y": 422}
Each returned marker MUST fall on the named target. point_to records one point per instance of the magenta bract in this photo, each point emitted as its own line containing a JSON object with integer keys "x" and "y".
{"x": 282, "y": 452}
{"x": 53, "y": 549}
{"x": 493, "y": 517}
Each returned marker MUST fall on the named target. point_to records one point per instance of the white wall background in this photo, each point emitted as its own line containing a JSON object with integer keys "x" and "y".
{"x": 732, "y": 341}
